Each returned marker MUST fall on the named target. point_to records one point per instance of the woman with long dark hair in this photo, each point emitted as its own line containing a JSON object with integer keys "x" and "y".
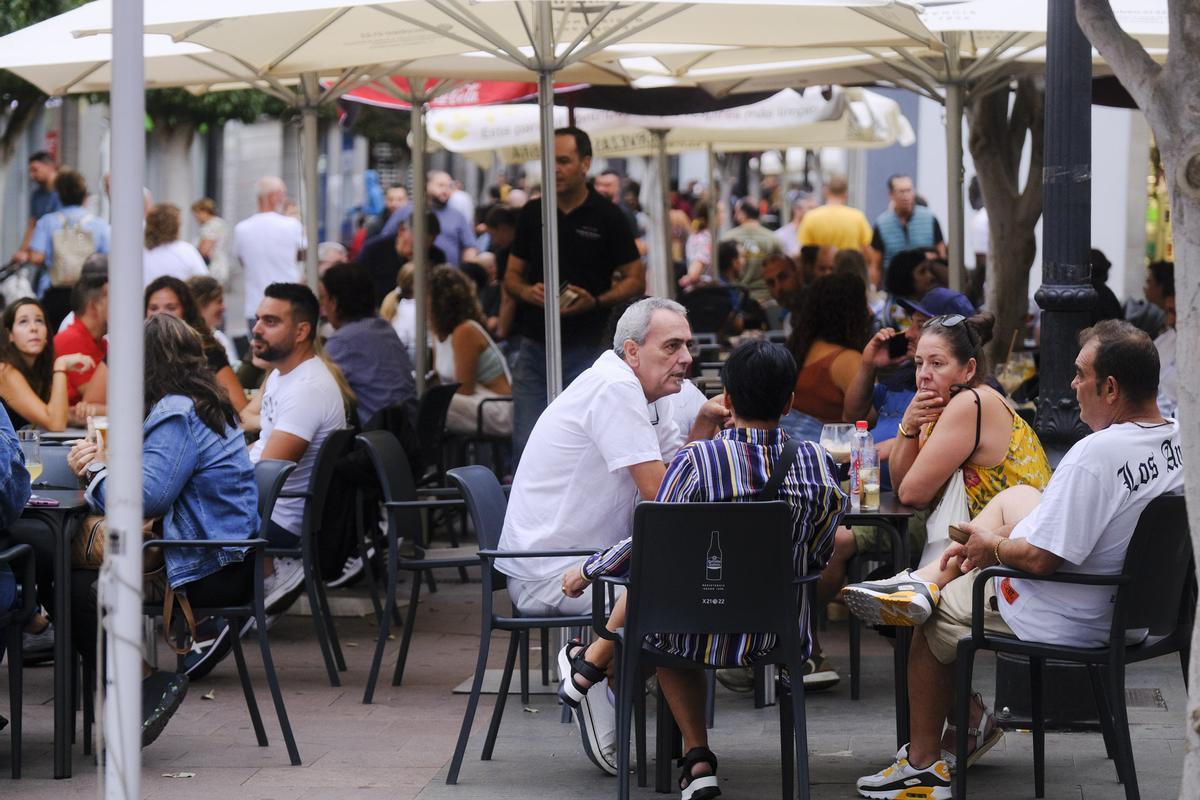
{"x": 33, "y": 383}
{"x": 196, "y": 476}
{"x": 168, "y": 295}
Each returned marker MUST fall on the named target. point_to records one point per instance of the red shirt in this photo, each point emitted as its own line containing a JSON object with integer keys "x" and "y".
{"x": 76, "y": 338}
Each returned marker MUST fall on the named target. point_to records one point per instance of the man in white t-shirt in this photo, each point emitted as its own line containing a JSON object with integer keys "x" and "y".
{"x": 1083, "y": 522}
{"x": 299, "y": 406}
{"x": 597, "y": 449}
{"x": 269, "y": 244}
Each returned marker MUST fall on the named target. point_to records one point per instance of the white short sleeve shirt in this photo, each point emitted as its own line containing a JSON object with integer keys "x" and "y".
{"x": 1087, "y": 516}
{"x": 267, "y": 245}
{"x": 178, "y": 259}
{"x": 573, "y": 488}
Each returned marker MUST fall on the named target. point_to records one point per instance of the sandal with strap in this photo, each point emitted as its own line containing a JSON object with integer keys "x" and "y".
{"x": 698, "y": 787}
{"x": 982, "y": 745}
{"x": 569, "y": 690}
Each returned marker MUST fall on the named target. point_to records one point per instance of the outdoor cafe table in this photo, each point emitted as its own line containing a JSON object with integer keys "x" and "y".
{"x": 61, "y": 523}
{"x": 892, "y": 517}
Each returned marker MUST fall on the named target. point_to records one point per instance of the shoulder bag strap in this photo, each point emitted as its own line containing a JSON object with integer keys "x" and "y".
{"x": 786, "y": 459}
{"x": 978, "y": 423}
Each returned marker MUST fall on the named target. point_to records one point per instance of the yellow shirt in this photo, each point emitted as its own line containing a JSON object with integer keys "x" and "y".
{"x": 1024, "y": 463}
{"x": 842, "y": 227}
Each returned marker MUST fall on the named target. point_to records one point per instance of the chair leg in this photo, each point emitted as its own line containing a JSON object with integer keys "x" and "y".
{"x": 327, "y": 613}
{"x": 489, "y": 743}
{"x": 16, "y": 658}
{"x": 525, "y": 667}
{"x": 624, "y": 712}
{"x": 385, "y": 625}
{"x": 800, "y": 726}
{"x": 431, "y": 581}
{"x": 364, "y": 547}
{"x": 239, "y": 658}
{"x": 1116, "y": 694}
{"x": 786, "y": 743}
{"x": 409, "y": 622}
{"x": 545, "y": 641}
{"x": 276, "y": 694}
{"x": 1039, "y": 727}
{"x": 639, "y": 729}
{"x": 710, "y": 703}
{"x": 1104, "y": 712}
{"x": 318, "y": 618}
{"x": 664, "y": 734}
{"x": 854, "y": 575}
{"x": 962, "y": 709}
{"x": 464, "y": 733}
{"x": 87, "y": 680}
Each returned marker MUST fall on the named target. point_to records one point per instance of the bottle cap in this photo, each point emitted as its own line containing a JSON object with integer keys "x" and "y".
{"x": 861, "y": 425}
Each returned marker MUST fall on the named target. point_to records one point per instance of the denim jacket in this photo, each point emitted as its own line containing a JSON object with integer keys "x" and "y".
{"x": 201, "y": 484}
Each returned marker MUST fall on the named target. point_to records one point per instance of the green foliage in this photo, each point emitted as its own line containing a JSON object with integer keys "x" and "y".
{"x": 382, "y": 125}
{"x": 174, "y": 107}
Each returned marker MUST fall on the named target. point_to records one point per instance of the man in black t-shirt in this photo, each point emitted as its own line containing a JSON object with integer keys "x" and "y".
{"x": 594, "y": 242}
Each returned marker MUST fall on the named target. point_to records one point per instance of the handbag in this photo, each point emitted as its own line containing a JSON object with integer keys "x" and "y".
{"x": 952, "y": 508}
{"x": 87, "y": 552}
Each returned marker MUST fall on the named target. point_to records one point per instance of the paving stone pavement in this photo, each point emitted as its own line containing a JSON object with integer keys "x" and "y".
{"x": 399, "y": 747}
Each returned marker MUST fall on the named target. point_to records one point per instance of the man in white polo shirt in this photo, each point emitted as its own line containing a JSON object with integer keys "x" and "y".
{"x": 593, "y": 452}
{"x": 269, "y": 245}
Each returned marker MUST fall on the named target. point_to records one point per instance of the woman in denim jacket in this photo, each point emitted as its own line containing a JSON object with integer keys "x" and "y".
{"x": 197, "y": 476}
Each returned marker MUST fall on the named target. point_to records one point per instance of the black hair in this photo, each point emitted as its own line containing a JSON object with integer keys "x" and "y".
{"x": 727, "y": 253}
{"x": 350, "y": 287}
{"x": 965, "y": 339}
{"x": 70, "y": 187}
{"x": 898, "y": 280}
{"x": 476, "y": 273}
{"x": 835, "y": 311}
{"x": 432, "y": 226}
{"x": 302, "y": 300}
{"x": 93, "y": 277}
{"x": 759, "y": 376}
{"x": 749, "y": 207}
{"x": 583, "y": 142}
{"x": 975, "y": 193}
{"x": 396, "y": 185}
{"x": 499, "y": 216}
{"x": 1164, "y": 276}
{"x": 40, "y": 374}
{"x": 891, "y": 181}
{"x": 1100, "y": 266}
{"x": 42, "y": 156}
{"x": 1125, "y": 353}
{"x": 852, "y": 262}
{"x": 611, "y": 171}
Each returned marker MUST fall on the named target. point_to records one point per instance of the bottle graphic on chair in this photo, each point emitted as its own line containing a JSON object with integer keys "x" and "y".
{"x": 714, "y": 560}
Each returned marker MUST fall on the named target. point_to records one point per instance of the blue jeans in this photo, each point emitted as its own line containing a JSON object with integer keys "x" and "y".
{"x": 529, "y": 384}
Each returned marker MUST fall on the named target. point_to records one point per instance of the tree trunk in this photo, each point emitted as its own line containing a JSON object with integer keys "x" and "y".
{"x": 1169, "y": 95}
{"x": 997, "y": 138}
{"x": 170, "y": 149}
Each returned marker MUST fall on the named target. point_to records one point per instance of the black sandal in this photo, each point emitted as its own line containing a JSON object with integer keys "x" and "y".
{"x": 698, "y": 787}
{"x": 569, "y": 691}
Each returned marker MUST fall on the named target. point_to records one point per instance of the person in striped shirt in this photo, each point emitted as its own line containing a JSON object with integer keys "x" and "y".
{"x": 736, "y": 465}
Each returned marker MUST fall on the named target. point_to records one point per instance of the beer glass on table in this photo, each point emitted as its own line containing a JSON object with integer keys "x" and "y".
{"x": 836, "y": 439}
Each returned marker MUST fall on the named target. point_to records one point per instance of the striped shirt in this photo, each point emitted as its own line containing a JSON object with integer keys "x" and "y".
{"x": 735, "y": 466}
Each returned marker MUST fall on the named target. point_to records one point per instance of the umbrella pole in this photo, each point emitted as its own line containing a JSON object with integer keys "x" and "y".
{"x": 312, "y": 192}
{"x": 544, "y": 33}
{"x": 714, "y": 200}
{"x": 121, "y": 577}
{"x": 418, "y": 226}
{"x": 660, "y": 286}
{"x": 954, "y": 177}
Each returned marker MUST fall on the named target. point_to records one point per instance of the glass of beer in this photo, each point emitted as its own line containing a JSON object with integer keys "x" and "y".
{"x": 868, "y": 478}
{"x": 836, "y": 439}
{"x": 31, "y": 448}
{"x": 98, "y": 432}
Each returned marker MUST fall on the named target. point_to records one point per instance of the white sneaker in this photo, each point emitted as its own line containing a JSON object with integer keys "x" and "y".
{"x": 351, "y": 571}
{"x": 901, "y": 600}
{"x": 281, "y": 587}
{"x": 903, "y": 781}
{"x": 598, "y": 728}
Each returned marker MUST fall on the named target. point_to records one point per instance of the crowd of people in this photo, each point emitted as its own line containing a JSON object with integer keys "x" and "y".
{"x": 826, "y": 319}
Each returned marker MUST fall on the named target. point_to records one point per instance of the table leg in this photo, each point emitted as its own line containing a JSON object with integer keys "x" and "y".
{"x": 64, "y": 656}
{"x": 903, "y": 638}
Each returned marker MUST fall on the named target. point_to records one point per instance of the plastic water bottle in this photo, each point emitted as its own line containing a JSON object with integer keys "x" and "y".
{"x": 864, "y": 470}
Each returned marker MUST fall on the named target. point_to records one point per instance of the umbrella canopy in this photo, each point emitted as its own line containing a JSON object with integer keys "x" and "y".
{"x": 849, "y": 118}
{"x": 393, "y": 92}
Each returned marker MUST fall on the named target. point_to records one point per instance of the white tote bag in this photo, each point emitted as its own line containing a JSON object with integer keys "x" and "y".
{"x": 951, "y": 510}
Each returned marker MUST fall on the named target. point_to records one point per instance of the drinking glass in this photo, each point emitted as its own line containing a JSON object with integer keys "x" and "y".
{"x": 1009, "y": 376}
{"x": 31, "y": 448}
{"x": 836, "y": 439}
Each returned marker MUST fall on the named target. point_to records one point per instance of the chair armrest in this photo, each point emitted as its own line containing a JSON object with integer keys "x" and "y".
{"x": 804, "y": 580}
{"x": 987, "y": 573}
{"x": 296, "y": 495}
{"x": 440, "y": 491}
{"x": 582, "y": 553}
{"x": 424, "y": 503}
{"x": 479, "y": 411}
{"x": 28, "y": 578}
{"x": 203, "y": 544}
{"x": 599, "y": 617}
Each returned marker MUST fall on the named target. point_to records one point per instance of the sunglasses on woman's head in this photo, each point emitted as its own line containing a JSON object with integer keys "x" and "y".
{"x": 945, "y": 320}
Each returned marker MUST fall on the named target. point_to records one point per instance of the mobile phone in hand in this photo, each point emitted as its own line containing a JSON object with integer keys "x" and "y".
{"x": 897, "y": 346}
{"x": 566, "y": 297}
{"x": 957, "y": 534}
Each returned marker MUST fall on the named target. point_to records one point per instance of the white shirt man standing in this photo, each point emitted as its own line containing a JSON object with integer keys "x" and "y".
{"x": 269, "y": 244}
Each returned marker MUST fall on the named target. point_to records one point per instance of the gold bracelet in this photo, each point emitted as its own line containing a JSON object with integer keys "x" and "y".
{"x": 996, "y": 551}
{"x": 906, "y": 434}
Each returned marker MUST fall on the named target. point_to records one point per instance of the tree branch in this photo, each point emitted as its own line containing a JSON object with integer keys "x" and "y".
{"x": 1129, "y": 60}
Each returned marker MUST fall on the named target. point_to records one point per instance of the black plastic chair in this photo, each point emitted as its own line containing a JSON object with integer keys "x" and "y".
{"x": 332, "y": 449}
{"x": 673, "y": 589}
{"x": 708, "y": 308}
{"x": 269, "y": 476}
{"x": 487, "y": 504}
{"x": 1155, "y": 590}
{"x": 14, "y": 620}
{"x": 432, "y": 410}
{"x": 403, "y": 510}
{"x": 499, "y": 445}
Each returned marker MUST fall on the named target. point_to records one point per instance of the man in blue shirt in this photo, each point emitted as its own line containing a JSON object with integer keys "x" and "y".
{"x": 72, "y": 192}
{"x": 456, "y": 238}
{"x": 42, "y": 200}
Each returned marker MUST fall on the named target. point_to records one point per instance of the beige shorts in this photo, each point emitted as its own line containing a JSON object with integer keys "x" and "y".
{"x": 951, "y": 620}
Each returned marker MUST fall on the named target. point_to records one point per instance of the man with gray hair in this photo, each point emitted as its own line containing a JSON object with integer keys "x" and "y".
{"x": 269, "y": 244}
{"x": 594, "y": 451}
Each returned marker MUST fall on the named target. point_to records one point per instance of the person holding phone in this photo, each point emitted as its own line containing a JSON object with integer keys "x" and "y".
{"x": 594, "y": 245}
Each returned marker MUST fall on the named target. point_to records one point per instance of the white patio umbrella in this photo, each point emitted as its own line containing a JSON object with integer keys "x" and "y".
{"x": 982, "y": 44}
{"x": 506, "y": 39}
